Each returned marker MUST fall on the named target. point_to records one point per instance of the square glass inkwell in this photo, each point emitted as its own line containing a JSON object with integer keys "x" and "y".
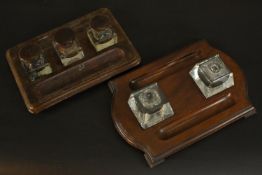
{"x": 150, "y": 106}
{"x": 212, "y": 76}
{"x": 101, "y": 33}
{"x": 34, "y": 62}
{"x": 67, "y": 46}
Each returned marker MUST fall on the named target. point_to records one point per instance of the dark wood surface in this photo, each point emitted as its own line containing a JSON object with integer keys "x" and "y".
{"x": 195, "y": 116}
{"x": 65, "y": 82}
{"x": 78, "y": 137}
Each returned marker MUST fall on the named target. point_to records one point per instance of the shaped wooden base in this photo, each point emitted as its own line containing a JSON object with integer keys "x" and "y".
{"x": 195, "y": 115}
{"x": 75, "y": 62}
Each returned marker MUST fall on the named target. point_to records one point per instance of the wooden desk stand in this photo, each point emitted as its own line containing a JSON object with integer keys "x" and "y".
{"x": 73, "y": 58}
{"x": 195, "y": 116}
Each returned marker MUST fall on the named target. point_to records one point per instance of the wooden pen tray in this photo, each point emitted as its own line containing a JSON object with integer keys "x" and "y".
{"x": 65, "y": 81}
{"x": 195, "y": 116}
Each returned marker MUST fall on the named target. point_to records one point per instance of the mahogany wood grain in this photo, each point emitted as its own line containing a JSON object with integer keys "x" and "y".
{"x": 195, "y": 116}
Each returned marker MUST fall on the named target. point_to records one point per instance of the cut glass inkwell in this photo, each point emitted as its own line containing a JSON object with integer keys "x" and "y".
{"x": 150, "y": 106}
{"x": 33, "y": 61}
{"x": 101, "y": 34}
{"x": 67, "y": 46}
{"x": 212, "y": 76}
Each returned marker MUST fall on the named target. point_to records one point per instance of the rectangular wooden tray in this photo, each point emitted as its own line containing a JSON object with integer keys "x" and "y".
{"x": 66, "y": 81}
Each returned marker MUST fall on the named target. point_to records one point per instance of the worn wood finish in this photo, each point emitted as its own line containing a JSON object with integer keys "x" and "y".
{"x": 66, "y": 81}
{"x": 195, "y": 116}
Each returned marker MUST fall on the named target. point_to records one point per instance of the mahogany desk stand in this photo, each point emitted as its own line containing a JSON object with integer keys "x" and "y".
{"x": 187, "y": 113}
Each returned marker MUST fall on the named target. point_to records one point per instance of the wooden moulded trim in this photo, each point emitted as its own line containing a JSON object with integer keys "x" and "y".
{"x": 66, "y": 81}
{"x": 195, "y": 118}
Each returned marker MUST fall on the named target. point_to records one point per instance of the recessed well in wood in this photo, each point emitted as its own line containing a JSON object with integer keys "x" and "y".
{"x": 65, "y": 81}
{"x": 195, "y": 116}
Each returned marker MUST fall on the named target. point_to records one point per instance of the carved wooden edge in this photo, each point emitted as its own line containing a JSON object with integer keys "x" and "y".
{"x": 94, "y": 80}
{"x": 35, "y": 109}
{"x": 153, "y": 161}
